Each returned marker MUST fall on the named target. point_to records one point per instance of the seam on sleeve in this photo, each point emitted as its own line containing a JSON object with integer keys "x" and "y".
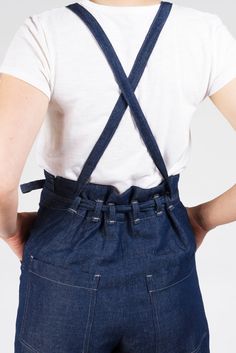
{"x": 25, "y": 77}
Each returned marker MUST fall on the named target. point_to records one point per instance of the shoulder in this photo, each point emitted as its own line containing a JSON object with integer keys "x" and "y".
{"x": 184, "y": 18}
{"x": 52, "y": 17}
{"x": 191, "y": 17}
{"x": 179, "y": 12}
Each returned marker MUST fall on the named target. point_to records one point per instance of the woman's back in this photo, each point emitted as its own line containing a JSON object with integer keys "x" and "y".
{"x": 194, "y": 57}
{"x": 103, "y": 271}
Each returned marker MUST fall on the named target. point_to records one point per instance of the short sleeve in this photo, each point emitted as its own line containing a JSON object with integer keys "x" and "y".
{"x": 223, "y": 56}
{"x": 28, "y": 57}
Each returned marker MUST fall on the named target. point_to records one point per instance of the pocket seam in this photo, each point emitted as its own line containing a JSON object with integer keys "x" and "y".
{"x": 175, "y": 283}
{"x": 27, "y": 345}
{"x": 32, "y": 245}
{"x": 62, "y": 283}
{"x": 196, "y": 350}
{"x": 88, "y": 276}
{"x": 25, "y": 309}
{"x": 89, "y": 323}
{"x": 191, "y": 229}
{"x": 182, "y": 230}
{"x": 176, "y": 227}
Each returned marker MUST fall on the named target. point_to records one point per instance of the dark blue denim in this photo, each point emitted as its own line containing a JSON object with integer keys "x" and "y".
{"x": 110, "y": 272}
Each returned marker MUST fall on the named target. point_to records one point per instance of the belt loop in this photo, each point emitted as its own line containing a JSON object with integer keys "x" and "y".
{"x": 168, "y": 200}
{"x": 135, "y": 211}
{"x": 50, "y": 180}
{"x": 75, "y": 204}
{"x": 135, "y": 217}
{"x": 110, "y": 220}
{"x": 97, "y": 211}
{"x": 158, "y": 207}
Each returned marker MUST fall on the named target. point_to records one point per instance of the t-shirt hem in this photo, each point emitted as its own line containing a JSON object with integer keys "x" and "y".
{"x": 222, "y": 81}
{"x": 25, "y": 77}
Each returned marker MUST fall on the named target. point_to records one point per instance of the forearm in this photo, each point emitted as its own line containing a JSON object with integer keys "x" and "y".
{"x": 8, "y": 213}
{"x": 218, "y": 211}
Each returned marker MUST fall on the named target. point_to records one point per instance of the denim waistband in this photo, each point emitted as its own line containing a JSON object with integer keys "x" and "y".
{"x": 58, "y": 192}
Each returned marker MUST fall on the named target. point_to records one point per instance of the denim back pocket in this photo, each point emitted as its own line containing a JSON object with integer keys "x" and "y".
{"x": 178, "y": 311}
{"x": 59, "y": 304}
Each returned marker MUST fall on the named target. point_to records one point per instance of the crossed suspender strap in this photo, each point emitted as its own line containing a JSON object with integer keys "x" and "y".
{"x": 127, "y": 97}
{"x": 127, "y": 86}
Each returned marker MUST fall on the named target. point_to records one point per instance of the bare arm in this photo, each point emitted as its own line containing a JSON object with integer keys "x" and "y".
{"x": 221, "y": 209}
{"x": 22, "y": 111}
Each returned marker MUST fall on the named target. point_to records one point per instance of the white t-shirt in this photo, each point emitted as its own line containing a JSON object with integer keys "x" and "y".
{"x": 55, "y": 51}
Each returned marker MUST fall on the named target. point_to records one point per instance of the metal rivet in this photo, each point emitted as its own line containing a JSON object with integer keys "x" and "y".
{"x": 95, "y": 219}
{"x": 137, "y": 220}
{"x": 110, "y": 221}
{"x": 72, "y": 210}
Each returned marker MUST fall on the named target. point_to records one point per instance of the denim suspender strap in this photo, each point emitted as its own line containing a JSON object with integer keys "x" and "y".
{"x": 127, "y": 86}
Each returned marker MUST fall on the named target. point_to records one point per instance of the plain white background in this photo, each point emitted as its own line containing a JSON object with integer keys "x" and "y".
{"x": 210, "y": 171}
